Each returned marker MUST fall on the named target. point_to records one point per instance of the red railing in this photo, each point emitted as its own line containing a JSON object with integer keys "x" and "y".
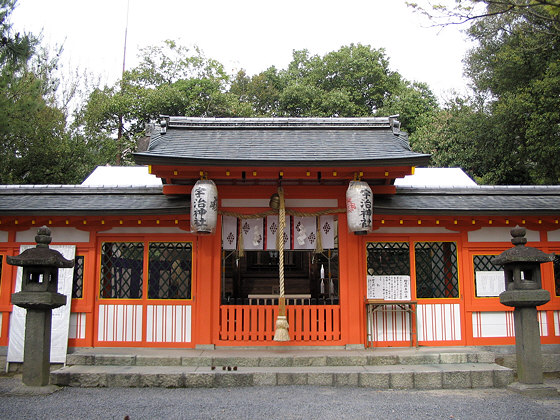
{"x": 254, "y": 324}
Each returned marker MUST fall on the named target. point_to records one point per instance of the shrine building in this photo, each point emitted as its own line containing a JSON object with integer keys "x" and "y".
{"x": 372, "y": 258}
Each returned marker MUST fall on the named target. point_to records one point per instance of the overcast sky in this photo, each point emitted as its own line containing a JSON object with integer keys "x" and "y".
{"x": 249, "y": 34}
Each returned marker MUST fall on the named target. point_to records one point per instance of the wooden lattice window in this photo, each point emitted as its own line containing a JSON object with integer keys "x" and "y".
{"x": 170, "y": 268}
{"x": 436, "y": 270}
{"x": 121, "y": 270}
{"x": 557, "y": 274}
{"x": 78, "y": 279}
{"x": 388, "y": 258}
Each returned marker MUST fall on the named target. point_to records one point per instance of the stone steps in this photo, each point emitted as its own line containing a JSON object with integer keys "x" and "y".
{"x": 387, "y": 369}
{"x": 272, "y": 359}
{"x": 427, "y": 376}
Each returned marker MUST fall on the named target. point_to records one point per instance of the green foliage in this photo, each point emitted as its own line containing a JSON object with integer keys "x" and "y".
{"x": 36, "y": 144}
{"x": 170, "y": 80}
{"x": 509, "y": 132}
{"x": 15, "y": 49}
{"x": 354, "y": 81}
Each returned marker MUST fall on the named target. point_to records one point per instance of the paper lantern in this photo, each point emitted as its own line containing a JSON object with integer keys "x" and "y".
{"x": 359, "y": 207}
{"x": 204, "y": 207}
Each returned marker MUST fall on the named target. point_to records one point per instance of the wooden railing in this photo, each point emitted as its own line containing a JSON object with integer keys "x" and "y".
{"x": 255, "y": 324}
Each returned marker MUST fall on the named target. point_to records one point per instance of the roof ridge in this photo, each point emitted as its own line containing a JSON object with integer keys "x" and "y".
{"x": 279, "y": 122}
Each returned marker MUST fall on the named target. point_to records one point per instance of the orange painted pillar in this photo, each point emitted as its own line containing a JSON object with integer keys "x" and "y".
{"x": 207, "y": 287}
{"x": 352, "y": 280}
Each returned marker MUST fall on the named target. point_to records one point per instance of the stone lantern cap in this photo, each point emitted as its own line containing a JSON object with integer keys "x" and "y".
{"x": 520, "y": 252}
{"x": 41, "y": 255}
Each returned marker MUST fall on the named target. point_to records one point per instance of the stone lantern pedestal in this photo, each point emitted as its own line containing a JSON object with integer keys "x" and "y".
{"x": 524, "y": 292}
{"x": 39, "y": 297}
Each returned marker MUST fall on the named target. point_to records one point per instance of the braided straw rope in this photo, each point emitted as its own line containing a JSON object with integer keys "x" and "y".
{"x": 280, "y": 246}
{"x": 281, "y": 333}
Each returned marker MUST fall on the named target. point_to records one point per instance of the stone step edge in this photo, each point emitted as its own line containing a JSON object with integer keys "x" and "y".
{"x": 268, "y": 361}
{"x": 409, "y": 377}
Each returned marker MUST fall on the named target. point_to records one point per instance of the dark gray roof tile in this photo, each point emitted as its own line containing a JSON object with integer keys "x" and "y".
{"x": 80, "y": 200}
{"x": 480, "y": 200}
{"x": 285, "y": 141}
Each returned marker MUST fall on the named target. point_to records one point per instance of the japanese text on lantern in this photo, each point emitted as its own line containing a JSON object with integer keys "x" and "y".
{"x": 200, "y": 205}
{"x": 366, "y": 208}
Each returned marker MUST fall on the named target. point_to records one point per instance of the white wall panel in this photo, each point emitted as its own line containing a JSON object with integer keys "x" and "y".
{"x": 168, "y": 324}
{"x": 389, "y": 324}
{"x": 499, "y": 234}
{"x": 77, "y": 325}
{"x": 439, "y": 322}
{"x": 554, "y": 235}
{"x": 154, "y": 230}
{"x": 406, "y": 230}
{"x": 264, "y": 202}
{"x": 501, "y": 324}
{"x": 120, "y": 323}
{"x": 59, "y": 234}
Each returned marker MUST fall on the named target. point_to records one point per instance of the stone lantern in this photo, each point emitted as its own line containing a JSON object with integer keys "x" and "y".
{"x": 39, "y": 296}
{"x": 522, "y": 270}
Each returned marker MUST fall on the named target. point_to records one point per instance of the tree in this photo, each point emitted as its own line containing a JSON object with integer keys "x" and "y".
{"x": 515, "y": 67}
{"x": 461, "y": 12}
{"x": 414, "y": 103}
{"x": 170, "y": 80}
{"x": 353, "y": 81}
{"x": 508, "y": 130}
{"x": 37, "y": 146}
{"x": 459, "y": 135}
{"x": 15, "y": 49}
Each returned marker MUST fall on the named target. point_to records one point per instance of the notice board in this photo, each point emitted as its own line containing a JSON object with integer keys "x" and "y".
{"x": 388, "y": 287}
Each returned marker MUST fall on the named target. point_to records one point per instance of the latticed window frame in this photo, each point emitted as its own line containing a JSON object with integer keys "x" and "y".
{"x": 407, "y": 243}
{"x": 474, "y": 269}
{"x": 78, "y": 278}
{"x": 190, "y": 287}
{"x": 141, "y": 295}
{"x": 556, "y": 273}
{"x": 457, "y": 269}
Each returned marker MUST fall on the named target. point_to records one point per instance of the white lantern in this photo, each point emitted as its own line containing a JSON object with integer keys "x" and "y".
{"x": 204, "y": 206}
{"x": 359, "y": 207}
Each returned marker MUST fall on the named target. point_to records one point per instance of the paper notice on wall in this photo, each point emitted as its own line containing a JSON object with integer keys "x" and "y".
{"x": 490, "y": 283}
{"x": 60, "y": 316}
{"x": 388, "y": 287}
{"x": 375, "y": 287}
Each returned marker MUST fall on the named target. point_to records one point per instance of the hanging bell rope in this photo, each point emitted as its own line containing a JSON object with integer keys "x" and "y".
{"x": 240, "y": 251}
{"x": 281, "y": 333}
{"x": 319, "y": 241}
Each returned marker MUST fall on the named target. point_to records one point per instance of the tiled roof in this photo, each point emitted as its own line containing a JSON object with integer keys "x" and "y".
{"x": 80, "y": 200}
{"x": 479, "y": 200}
{"x": 280, "y": 141}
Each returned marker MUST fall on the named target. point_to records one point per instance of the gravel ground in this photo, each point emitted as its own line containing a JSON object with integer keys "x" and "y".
{"x": 280, "y": 402}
